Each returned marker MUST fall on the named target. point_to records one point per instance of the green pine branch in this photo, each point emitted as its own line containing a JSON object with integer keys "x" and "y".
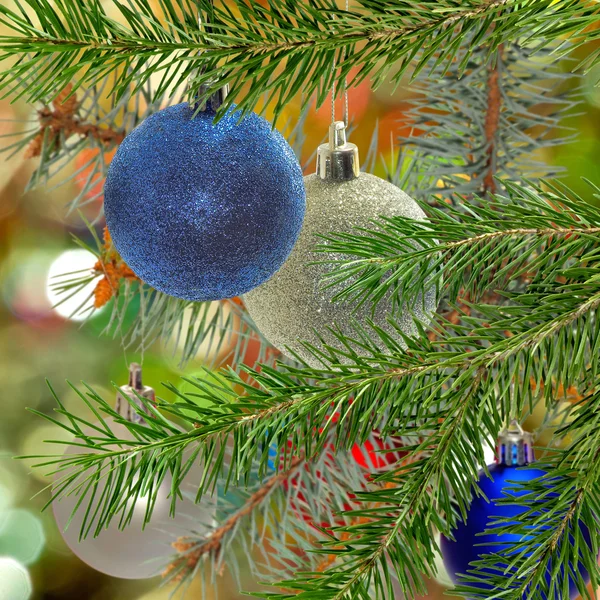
{"x": 297, "y": 402}
{"x": 551, "y": 529}
{"x": 280, "y": 49}
{"x": 469, "y": 378}
{"x": 487, "y": 123}
{"x": 533, "y": 233}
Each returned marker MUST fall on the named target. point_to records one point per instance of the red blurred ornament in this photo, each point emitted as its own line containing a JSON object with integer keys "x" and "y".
{"x": 370, "y": 456}
{"x": 376, "y": 454}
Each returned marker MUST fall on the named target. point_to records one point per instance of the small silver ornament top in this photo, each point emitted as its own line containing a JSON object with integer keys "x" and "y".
{"x": 132, "y": 390}
{"x": 515, "y": 446}
{"x": 212, "y": 102}
{"x": 338, "y": 160}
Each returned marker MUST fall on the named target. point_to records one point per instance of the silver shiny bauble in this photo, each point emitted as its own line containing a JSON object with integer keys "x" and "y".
{"x": 293, "y": 307}
{"x": 133, "y": 552}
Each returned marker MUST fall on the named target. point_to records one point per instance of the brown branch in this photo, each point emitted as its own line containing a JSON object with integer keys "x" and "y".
{"x": 61, "y": 121}
{"x": 492, "y": 121}
{"x": 192, "y": 552}
{"x": 113, "y": 270}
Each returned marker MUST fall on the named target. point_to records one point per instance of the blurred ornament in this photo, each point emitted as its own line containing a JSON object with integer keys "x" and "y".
{"x": 15, "y": 582}
{"x": 77, "y": 303}
{"x": 138, "y": 551}
{"x": 293, "y": 306}
{"x": 22, "y": 536}
{"x": 203, "y": 210}
{"x": 514, "y": 451}
{"x": 377, "y": 453}
{"x": 367, "y": 456}
{"x": 24, "y": 277}
{"x": 550, "y": 414}
{"x": 33, "y": 443}
{"x": 545, "y": 423}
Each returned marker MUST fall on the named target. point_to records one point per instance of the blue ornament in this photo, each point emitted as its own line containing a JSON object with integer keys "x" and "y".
{"x": 204, "y": 211}
{"x": 514, "y": 451}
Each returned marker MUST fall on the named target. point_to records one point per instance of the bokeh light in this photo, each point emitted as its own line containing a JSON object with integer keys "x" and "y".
{"x": 22, "y": 536}
{"x": 35, "y": 444}
{"x": 15, "y": 582}
{"x": 68, "y": 266}
{"x": 6, "y": 502}
{"x": 24, "y": 274}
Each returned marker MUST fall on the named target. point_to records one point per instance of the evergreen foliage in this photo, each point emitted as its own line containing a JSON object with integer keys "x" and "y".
{"x": 512, "y": 252}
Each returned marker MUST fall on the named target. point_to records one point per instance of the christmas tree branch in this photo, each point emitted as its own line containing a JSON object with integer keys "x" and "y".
{"x": 492, "y": 122}
{"x": 192, "y": 552}
{"x": 549, "y": 532}
{"x": 497, "y": 113}
{"x": 295, "y": 403}
{"x": 61, "y": 122}
{"x": 495, "y": 243}
{"x": 398, "y": 511}
{"x": 79, "y": 42}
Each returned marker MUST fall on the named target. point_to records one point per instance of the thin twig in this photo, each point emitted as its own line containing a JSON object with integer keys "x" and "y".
{"x": 192, "y": 552}
{"x": 492, "y": 122}
{"x": 61, "y": 122}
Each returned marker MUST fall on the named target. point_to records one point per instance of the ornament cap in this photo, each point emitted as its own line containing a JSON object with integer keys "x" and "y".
{"x": 515, "y": 446}
{"x": 338, "y": 159}
{"x": 130, "y": 392}
{"x": 214, "y": 101}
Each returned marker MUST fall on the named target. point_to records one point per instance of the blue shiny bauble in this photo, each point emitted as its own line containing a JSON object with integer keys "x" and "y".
{"x": 470, "y": 545}
{"x": 204, "y": 211}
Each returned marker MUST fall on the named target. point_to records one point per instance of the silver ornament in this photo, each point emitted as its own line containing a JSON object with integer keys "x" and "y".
{"x": 292, "y": 307}
{"x": 135, "y": 551}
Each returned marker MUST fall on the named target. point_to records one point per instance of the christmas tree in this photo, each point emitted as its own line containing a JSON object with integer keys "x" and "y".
{"x": 388, "y": 330}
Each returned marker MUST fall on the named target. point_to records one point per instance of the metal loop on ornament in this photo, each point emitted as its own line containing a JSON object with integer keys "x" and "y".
{"x": 131, "y": 392}
{"x": 338, "y": 159}
{"x": 515, "y": 446}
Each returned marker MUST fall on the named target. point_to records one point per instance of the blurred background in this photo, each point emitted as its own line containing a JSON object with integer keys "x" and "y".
{"x": 38, "y": 341}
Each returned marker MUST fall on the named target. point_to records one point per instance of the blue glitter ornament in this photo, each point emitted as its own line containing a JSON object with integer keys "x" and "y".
{"x": 204, "y": 211}
{"x": 515, "y": 451}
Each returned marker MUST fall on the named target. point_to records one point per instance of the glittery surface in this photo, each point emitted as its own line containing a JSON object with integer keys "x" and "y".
{"x": 203, "y": 211}
{"x": 292, "y": 304}
{"x": 470, "y": 542}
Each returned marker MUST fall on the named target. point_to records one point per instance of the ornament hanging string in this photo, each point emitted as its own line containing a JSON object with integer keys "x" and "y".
{"x": 345, "y": 104}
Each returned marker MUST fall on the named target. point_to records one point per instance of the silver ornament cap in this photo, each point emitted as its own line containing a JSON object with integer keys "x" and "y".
{"x": 132, "y": 391}
{"x": 515, "y": 446}
{"x": 214, "y": 101}
{"x": 338, "y": 159}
